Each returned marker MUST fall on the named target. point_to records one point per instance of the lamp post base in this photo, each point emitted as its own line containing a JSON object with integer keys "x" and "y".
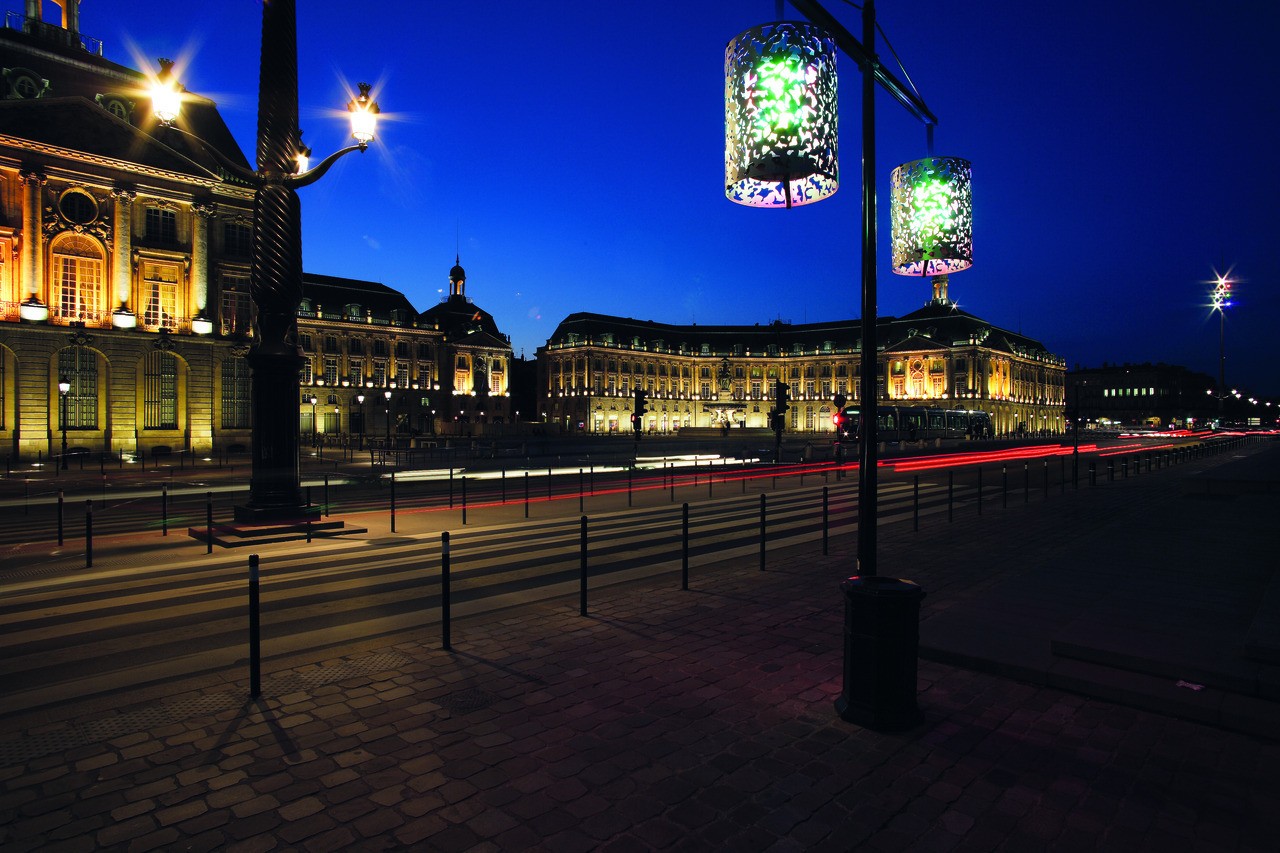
{"x": 250, "y": 514}
{"x": 881, "y": 646}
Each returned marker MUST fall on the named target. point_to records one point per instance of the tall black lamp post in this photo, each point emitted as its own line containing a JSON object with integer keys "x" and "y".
{"x": 64, "y": 387}
{"x": 276, "y": 278}
{"x": 780, "y": 150}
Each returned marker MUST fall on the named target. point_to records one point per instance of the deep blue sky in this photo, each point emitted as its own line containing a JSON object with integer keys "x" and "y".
{"x": 572, "y": 153}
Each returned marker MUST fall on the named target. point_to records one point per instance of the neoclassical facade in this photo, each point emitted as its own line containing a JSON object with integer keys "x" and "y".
{"x": 124, "y": 257}
{"x": 709, "y": 376}
{"x": 124, "y": 279}
{"x": 377, "y": 370}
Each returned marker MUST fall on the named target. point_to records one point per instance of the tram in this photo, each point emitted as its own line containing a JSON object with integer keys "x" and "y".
{"x": 915, "y": 423}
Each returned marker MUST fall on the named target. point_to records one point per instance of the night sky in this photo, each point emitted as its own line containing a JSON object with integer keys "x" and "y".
{"x": 572, "y": 153}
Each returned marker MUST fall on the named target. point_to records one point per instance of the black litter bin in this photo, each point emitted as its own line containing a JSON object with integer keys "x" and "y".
{"x": 881, "y": 645}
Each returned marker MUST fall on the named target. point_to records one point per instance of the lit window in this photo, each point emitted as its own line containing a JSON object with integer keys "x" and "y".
{"x": 77, "y": 262}
{"x": 160, "y": 295}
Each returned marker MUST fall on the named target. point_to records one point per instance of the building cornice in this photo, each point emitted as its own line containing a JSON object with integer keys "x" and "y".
{"x": 15, "y": 144}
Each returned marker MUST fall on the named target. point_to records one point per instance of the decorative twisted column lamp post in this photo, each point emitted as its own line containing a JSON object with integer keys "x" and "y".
{"x": 276, "y": 277}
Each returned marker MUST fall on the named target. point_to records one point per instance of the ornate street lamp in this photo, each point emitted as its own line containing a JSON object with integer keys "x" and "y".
{"x": 64, "y": 387}
{"x": 780, "y": 116}
{"x": 784, "y": 96}
{"x": 932, "y": 216}
{"x": 276, "y": 277}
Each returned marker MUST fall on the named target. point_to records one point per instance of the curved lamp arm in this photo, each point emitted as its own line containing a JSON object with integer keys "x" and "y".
{"x": 247, "y": 175}
{"x": 317, "y": 172}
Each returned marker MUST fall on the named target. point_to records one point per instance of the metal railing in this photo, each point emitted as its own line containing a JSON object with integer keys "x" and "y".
{"x": 51, "y": 32}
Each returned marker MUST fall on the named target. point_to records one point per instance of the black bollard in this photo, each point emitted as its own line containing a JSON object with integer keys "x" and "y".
{"x": 444, "y": 591}
{"x": 255, "y": 631}
{"x": 915, "y": 502}
{"x": 684, "y": 547}
{"x": 762, "y": 530}
{"x": 88, "y": 534}
{"x": 164, "y": 509}
{"x": 208, "y": 522}
{"x": 526, "y": 494}
{"x": 393, "y": 502}
{"x": 60, "y": 509}
{"x": 582, "y": 574}
{"x": 464, "y": 501}
{"x": 951, "y": 492}
{"x": 825, "y": 525}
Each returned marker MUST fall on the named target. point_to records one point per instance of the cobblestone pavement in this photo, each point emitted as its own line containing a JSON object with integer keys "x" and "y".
{"x": 665, "y": 719}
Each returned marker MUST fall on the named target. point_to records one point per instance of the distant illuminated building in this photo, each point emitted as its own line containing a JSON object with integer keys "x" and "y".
{"x": 713, "y": 376}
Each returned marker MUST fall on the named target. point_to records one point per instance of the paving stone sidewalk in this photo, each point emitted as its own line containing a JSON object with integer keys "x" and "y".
{"x": 665, "y": 719}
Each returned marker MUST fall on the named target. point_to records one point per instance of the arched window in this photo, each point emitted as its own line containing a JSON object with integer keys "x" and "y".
{"x": 77, "y": 274}
{"x": 235, "y": 393}
{"x": 160, "y": 391}
{"x": 79, "y": 367}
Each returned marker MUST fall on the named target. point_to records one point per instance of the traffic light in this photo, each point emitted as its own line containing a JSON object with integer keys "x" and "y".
{"x": 781, "y": 398}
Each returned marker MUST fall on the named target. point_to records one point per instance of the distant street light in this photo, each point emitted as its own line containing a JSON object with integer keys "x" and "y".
{"x": 64, "y": 387}
{"x": 387, "y": 395}
{"x": 360, "y": 402}
{"x": 313, "y": 420}
{"x": 1220, "y": 300}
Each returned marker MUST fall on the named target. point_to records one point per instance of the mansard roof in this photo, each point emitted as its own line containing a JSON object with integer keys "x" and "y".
{"x": 71, "y": 112}
{"x": 328, "y": 297}
{"x": 938, "y": 325}
{"x": 78, "y": 125}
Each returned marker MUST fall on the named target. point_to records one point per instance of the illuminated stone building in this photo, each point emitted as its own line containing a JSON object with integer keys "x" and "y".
{"x": 124, "y": 256}
{"x": 379, "y": 370}
{"x": 124, "y": 276}
{"x": 709, "y": 376}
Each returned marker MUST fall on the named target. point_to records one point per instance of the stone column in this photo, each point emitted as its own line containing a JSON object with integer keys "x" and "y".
{"x": 199, "y": 293}
{"x": 32, "y": 228}
{"x": 121, "y": 267}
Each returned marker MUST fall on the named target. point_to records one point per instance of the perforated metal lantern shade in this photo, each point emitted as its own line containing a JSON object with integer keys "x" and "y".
{"x": 932, "y": 216}
{"x": 780, "y": 116}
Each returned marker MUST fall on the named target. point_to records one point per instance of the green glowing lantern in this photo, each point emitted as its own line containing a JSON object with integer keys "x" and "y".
{"x": 932, "y": 216}
{"x": 780, "y": 116}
